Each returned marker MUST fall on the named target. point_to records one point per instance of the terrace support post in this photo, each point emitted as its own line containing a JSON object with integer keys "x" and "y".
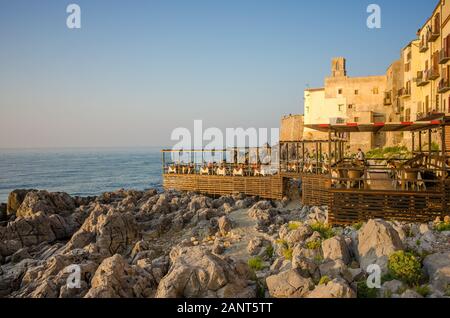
{"x": 429, "y": 146}
{"x": 444, "y": 159}
{"x": 303, "y": 154}
{"x": 420, "y": 141}
{"x": 317, "y": 157}
{"x": 413, "y": 136}
{"x": 329, "y": 150}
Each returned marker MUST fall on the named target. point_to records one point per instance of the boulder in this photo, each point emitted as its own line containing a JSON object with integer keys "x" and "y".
{"x": 45, "y": 202}
{"x": 377, "y": 240}
{"x": 437, "y": 266}
{"x": 337, "y": 288}
{"x": 199, "y": 202}
{"x": 15, "y": 199}
{"x": 225, "y": 225}
{"x": 289, "y": 284}
{"x": 298, "y": 235}
{"x": 333, "y": 269}
{"x": 197, "y": 273}
{"x": 114, "y": 278}
{"x": 390, "y": 288}
{"x": 336, "y": 248}
{"x": 107, "y": 232}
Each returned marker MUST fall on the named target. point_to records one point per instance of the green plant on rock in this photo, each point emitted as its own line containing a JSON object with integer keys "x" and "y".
{"x": 447, "y": 291}
{"x": 313, "y": 244}
{"x": 357, "y": 226}
{"x": 423, "y": 290}
{"x": 325, "y": 230}
{"x": 269, "y": 251}
{"x": 406, "y": 267}
{"x": 287, "y": 253}
{"x": 292, "y": 226}
{"x": 256, "y": 263}
{"x": 442, "y": 226}
{"x": 324, "y": 280}
{"x": 363, "y": 291}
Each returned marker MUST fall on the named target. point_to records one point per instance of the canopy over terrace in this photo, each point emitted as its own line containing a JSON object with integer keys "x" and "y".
{"x": 413, "y": 127}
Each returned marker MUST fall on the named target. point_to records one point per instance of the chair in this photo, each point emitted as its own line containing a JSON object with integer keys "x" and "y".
{"x": 221, "y": 171}
{"x": 172, "y": 170}
{"x": 204, "y": 171}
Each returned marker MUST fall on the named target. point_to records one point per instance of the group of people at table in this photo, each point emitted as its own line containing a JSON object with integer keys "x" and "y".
{"x": 222, "y": 169}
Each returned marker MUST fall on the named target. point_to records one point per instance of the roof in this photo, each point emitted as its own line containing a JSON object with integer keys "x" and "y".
{"x": 377, "y": 127}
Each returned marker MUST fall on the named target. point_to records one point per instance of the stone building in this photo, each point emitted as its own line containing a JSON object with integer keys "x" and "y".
{"x": 345, "y": 99}
{"x": 291, "y": 128}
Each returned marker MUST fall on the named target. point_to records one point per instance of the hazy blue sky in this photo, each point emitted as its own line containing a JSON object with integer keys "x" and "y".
{"x": 138, "y": 69}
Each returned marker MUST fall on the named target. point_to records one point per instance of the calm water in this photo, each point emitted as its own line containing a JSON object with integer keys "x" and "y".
{"x": 80, "y": 172}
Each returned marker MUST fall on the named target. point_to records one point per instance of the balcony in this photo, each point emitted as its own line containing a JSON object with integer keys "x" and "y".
{"x": 422, "y": 78}
{"x": 444, "y": 86}
{"x": 444, "y": 56}
{"x": 404, "y": 92}
{"x": 434, "y": 35}
{"x": 433, "y": 73}
{"x": 423, "y": 47}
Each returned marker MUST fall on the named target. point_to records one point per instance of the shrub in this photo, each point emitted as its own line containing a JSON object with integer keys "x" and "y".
{"x": 324, "y": 280}
{"x": 292, "y": 226}
{"x": 313, "y": 245}
{"x": 363, "y": 291}
{"x": 358, "y": 226}
{"x": 269, "y": 251}
{"x": 388, "y": 152}
{"x": 325, "y": 231}
{"x": 256, "y": 263}
{"x": 287, "y": 253}
{"x": 423, "y": 290}
{"x": 406, "y": 267}
{"x": 442, "y": 226}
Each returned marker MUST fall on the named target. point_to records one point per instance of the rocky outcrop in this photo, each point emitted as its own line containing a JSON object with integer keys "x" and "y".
{"x": 336, "y": 248}
{"x": 45, "y": 202}
{"x": 196, "y": 272}
{"x": 336, "y": 288}
{"x": 289, "y": 284}
{"x": 115, "y": 278}
{"x": 437, "y": 266}
{"x": 15, "y": 199}
{"x": 377, "y": 240}
{"x": 107, "y": 232}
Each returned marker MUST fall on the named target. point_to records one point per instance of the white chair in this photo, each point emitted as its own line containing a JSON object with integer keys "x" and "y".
{"x": 204, "y": 171}
{"x": 172, "y": 170}
{"x": 238, "y": 172}
{"x": 221, "y": 172}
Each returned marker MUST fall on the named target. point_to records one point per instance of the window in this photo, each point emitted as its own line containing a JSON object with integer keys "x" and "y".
{"x": 375, "y": 91}
{"x": 350, "y": 106}
{"x": 427, "y": 104}
{"x": 356, "y": 92}
{"x": 340, "y": 91}
{"x": 356, "y": 119}
{"x": 341, "y": 107}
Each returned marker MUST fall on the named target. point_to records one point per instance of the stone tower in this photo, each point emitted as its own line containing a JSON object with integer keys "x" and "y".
{"x": 338, "y": 68}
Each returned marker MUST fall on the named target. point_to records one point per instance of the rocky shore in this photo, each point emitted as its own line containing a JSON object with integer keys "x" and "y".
{"x": 173, "y": 244}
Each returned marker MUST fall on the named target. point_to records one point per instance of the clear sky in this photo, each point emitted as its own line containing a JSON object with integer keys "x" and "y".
{"x": 138, "y": 69}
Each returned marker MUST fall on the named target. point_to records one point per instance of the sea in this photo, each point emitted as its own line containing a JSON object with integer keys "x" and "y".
{"x": 80, "y": 171}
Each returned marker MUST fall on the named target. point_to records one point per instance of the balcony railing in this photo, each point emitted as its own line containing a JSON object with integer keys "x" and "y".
{"x": 444, "y": 86}
{"x": 404, "y": 92}
{"x": 444, "y": 56}
{"x": 423, "y": 47}
{"x": 434, "y": 35}
{"x": 422, "y": 78}
{"x": 433, "y": 73}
